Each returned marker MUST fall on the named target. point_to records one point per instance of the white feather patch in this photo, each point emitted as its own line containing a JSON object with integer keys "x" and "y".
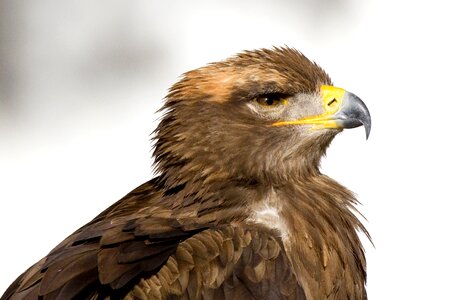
{"x": 267, "y": 213}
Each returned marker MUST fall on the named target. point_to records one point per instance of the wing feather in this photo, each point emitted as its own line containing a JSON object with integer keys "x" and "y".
{"x": 108, "y": 254}
{"x": 136, "y": 250}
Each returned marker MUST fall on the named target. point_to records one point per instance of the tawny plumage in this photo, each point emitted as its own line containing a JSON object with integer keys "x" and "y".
{"x": 239, "y": 209}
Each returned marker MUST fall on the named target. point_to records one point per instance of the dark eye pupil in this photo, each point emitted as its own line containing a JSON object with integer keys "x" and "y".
{"x": 269, "y": 100}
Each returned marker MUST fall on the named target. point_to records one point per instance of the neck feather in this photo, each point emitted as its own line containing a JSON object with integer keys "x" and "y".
{"x": 323, "y": 231}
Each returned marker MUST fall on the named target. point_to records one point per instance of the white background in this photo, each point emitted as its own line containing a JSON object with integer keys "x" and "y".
{"x": 80, "y": 82}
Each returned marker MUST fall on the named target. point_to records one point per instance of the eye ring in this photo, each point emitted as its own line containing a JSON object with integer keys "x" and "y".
{"x": 271, "y": 100}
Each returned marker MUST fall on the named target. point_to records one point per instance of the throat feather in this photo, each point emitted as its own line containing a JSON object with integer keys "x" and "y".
{"x": 268, "y": 213}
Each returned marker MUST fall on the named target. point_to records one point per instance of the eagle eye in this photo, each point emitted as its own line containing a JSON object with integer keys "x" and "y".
{"x": 271, "y": 100}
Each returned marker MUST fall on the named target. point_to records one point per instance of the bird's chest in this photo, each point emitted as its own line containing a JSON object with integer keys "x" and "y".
{"x": 268, "y": 213}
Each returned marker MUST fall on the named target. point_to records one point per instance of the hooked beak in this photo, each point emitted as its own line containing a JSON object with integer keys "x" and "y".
{"x": 342, "y": 110}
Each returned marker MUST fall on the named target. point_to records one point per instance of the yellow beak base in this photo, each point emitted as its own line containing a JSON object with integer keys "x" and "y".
{"x": 342, "y": 109}
{"x": 331, "y": 100}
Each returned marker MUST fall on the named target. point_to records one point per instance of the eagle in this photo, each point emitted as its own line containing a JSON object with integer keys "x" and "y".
{"x": 238, "y": 207}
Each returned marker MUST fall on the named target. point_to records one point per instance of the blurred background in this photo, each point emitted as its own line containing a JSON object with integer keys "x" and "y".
{"x": 80, "y": 83}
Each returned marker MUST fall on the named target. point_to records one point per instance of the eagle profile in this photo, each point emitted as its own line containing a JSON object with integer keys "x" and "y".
{"x": 239, "y": 208}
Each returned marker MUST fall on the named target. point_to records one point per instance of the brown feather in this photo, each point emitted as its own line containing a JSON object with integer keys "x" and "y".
{"x": 191, "y": 232}
{"x": 63, "y": 271}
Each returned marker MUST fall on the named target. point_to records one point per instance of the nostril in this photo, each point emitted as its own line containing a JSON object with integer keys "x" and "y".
{"x": 332, "y": 102}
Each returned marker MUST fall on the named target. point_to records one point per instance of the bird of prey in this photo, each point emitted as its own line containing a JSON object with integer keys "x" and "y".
{"x": 238, "y": 209}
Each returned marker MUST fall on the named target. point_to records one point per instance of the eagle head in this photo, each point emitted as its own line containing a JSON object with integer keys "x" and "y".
{"x": 263, "y": 115}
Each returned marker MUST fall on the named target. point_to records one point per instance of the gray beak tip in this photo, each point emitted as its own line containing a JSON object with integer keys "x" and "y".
{"x": 367, "y": 127}
{"x": 367, "y": 134}
{"x": 354, "y": 113}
